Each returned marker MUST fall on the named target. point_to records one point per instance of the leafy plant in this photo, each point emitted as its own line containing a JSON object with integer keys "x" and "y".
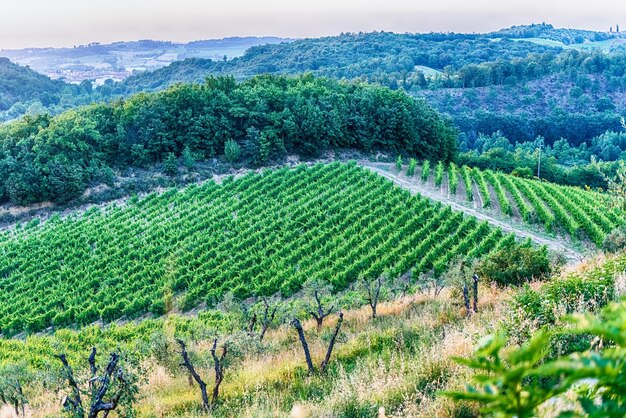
{"x": 425, "y": 170}
{"x": 410, "y": 171}
{"x": 516, "y": 265}
{"x": 515, "y": 382}
{"x": 170, "y": 165}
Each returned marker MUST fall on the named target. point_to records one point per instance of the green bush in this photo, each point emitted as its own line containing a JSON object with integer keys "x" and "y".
{"x": 170, "y": 165}
{"x": 410, "y": 171}
{"x": 523, "y": 172}
{"x": 232, "y": 151}
{"x": 515, "y": 383}
{"x": 516, "y": 265}
{"x": 615, "y": 241}
{"x": 425, "y": 171}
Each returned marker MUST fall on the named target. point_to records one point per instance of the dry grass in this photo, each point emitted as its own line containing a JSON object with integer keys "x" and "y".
{"x": 391, "y": 367}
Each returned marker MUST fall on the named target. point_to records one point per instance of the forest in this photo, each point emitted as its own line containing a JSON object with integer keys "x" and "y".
{"x": 499, "y": 81}
{"x": 54, "y": 158}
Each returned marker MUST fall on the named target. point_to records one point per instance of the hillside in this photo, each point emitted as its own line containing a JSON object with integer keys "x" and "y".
{"x": 262, "y": 119}
{"x": 400, "y": 361}
{"x": 509, "y": 81}
{"x": 572, "y": 212}
{"x": 259, "y": 235}
{"x": 483, "y": 82}
{"x": 348, "y": 289}
{"x": 21, "y": 84}
{"x": 380, "y": 57}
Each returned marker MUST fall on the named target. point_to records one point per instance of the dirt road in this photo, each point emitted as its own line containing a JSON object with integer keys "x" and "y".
{"x": 555, "y": 244}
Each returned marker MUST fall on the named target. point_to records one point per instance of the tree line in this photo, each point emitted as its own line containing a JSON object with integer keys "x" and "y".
{"x": 55, "y": 158}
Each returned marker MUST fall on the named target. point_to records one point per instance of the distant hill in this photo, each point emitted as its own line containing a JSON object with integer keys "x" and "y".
{"x": 21, "y": 84}
{"x": 504, "y": 81}
{"x": 118, "y": 60}
{"x": 546, "y": 31}
{"x": 379, "y": 57}
{"x": 524, "y": 81}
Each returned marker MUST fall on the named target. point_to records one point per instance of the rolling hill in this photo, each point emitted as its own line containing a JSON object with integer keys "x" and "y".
{"x": 23, "y": 85}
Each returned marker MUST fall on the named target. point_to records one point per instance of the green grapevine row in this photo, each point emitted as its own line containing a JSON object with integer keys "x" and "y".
{"x": 575, "y": 211}
{"x": 255, "y": 235}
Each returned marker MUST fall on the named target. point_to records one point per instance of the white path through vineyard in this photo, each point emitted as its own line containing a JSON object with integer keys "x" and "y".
{"x": 555, "y": 244}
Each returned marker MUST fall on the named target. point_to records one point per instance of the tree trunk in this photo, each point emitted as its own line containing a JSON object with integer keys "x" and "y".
{"x": 319, "y": 321}
{"x": 192, "y": 371}
{"x": 305, "y": 347}
{"x": 475, "y": 278}
{"x": 466, "y": 301}
{"x": 332, "y": 343}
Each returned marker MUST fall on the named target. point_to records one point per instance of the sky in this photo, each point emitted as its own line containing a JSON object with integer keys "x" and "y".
{"x": 57, "y": 23}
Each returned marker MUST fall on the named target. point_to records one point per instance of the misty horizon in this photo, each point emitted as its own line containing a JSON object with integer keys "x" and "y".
{"x": 188, "y": 41}
{"x": 69, "y": 23}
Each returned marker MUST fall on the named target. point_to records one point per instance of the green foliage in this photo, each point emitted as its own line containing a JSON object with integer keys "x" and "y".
{"x": 516, "y": 265}
{"x": 48, "y": 158}
{"x": 576, "y": 211}
{"x": 170, "y": 165}
{"x": 410, "y": 171}
{"x": 399, "y": 163}
{"x": 379, "y": 57}
{"x": 15, "y": 380}
{"x": 189, "y": 161}
{"x": 615, "y": 241}
{"x": 502, "y": 378}
{"x": 232, "y": 151}
{"x": 577, "y": 292}
{"x": 466, "y": 175}
{"x": 483, "y": 188}
{"x": 257, "y": 235}
{"x": 523, "y": 172}
{"x": 22, "y": 84}
{"x": 453, "y": 178}
{"x": 439, "y": 170}
{"x": 516, "y": 382}
{"x": 425, "y": 171}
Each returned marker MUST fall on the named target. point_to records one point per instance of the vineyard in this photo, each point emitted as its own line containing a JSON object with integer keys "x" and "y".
{"x": 256, "y": 235}
{"x": 581, "y": 214}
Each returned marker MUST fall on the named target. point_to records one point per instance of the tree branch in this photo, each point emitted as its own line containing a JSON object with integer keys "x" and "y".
{"x": 331, "y": 345}
{"x": 187, "y": 363}
{"x": 267, "y": 318}
{"x": 71, "y": 403}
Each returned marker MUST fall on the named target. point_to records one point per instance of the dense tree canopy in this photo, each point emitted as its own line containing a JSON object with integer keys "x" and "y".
{"x": 21, "y": 84}
{"x": 55, "y": 158}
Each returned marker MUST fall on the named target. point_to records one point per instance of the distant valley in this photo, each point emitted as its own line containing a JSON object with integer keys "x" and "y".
{"x": 100, "y": 62}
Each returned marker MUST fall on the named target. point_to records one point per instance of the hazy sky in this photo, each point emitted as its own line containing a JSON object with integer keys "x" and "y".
{"x": 25, "y": 23}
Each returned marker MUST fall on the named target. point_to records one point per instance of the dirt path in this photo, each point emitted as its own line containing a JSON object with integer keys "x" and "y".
{"x": 554, "y": 244}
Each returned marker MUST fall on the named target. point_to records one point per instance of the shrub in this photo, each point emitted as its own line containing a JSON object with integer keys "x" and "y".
{"x": 410, "y": 171}
{"x": 425, "y": 171}
{"x": 615, "y": 241}
{"x": 232, "y": 151}
{"x": 439, "y": 174}
{"x": 189, "y": 160}
{"x": 516, "y": 265}
{"x": 516, "y": 382}
{"x": 399, "y": 163}
{"x": 170, "y": 165}
{"x": 523, "y": 172}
